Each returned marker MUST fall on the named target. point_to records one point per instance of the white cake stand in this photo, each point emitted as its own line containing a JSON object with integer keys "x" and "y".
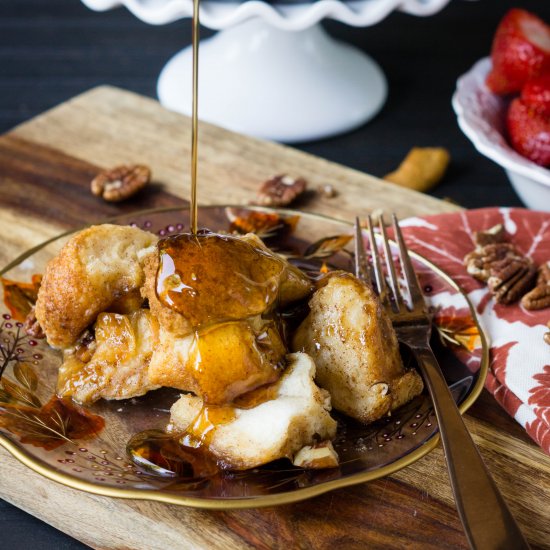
{"x": 273, "y": 71}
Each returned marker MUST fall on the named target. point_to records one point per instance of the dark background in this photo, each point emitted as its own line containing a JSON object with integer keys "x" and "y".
{"x": 52, "y": 50}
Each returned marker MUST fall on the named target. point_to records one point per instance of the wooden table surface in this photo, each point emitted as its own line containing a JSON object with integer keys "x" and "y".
{"x": 47, "y": 164}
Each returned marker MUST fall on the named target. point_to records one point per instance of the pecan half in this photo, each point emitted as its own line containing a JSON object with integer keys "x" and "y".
{"x": 510, "y": 279}
{"x": 508, "y": 273}
{"x": 478, "y": 263}
{"x": 539, "y": 297}
{"x": 543, "y": 277}
{"x": 319, "y": 455}
{"x": 32, "y": 327}
{"x": 495, "y": 234}
{"x": 280, "y": 190}
{"x": 120, "y": 183}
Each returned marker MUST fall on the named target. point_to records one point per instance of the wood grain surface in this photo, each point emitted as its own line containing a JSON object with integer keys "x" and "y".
{"x": 45, "y": 169}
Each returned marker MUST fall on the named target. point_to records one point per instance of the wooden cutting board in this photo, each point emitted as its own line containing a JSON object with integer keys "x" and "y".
{"x": 46, "y": 165}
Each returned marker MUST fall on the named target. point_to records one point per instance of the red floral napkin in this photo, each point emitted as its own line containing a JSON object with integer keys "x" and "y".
{"x": 519, "y": 375}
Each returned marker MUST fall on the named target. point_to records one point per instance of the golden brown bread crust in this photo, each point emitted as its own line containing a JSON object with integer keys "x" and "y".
{"x": 355, "y": 349}
{"x": 117, "y": 364}
{"x": 168, "y": 366}
{"x": 96, "y": 270}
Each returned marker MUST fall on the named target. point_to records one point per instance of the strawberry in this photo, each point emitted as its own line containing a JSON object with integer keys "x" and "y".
{"x": 521, "y": 51}
{"x": 536, "y": 94}
{"x": 529, "y": 132}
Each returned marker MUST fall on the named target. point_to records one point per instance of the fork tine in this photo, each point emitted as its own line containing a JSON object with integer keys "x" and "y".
{"x": 417, "y": 299}
{"x": 398, "y": 301}
{"x": 361, "y": 261}
{"x": 379, "y": 274}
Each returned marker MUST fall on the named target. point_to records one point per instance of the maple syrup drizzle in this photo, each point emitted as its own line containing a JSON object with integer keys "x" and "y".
{"x": 211, "y": 278}
{"x": 195, "y": 118}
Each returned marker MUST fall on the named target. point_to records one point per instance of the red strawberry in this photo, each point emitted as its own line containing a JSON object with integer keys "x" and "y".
{"x": 521, "y": 51}
{"x": 536, "y": 94}
{"x": 529, "y": 132}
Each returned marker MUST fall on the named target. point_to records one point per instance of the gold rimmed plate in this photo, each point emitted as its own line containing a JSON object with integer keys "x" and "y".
{"x": 86, "y": 448}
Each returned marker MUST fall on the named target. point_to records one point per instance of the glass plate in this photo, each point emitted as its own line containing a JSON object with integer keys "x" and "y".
{"x": 50, "y": 440}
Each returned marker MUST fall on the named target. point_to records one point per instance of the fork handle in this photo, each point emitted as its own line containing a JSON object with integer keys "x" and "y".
{"x": 487, "y": 521}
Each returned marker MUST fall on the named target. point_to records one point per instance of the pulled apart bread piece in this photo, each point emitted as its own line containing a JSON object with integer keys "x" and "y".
{"x": 97, "y": 270}
{"x": 194, "y": 281}
{"x": 115, "y": 364}
{"x": 296, "y": 416}
{"x": 214, "y": 297}
{"x": 355, "y": 349}
{"x": 223, "y": 362}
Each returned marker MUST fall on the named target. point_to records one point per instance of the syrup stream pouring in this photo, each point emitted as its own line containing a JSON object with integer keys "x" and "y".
{"x": 195, "y": 118}
{"x": 487, "y": 521}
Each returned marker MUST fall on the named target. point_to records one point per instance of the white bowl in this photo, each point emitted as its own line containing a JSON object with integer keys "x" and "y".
{"x": 481, "y": 117}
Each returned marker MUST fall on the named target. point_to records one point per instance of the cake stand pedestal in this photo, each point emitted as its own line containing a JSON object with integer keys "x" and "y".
{"x": 283, "y": 85}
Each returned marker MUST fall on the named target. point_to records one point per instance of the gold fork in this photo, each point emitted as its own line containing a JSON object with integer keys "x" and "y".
{"x": 486, "y": 519}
